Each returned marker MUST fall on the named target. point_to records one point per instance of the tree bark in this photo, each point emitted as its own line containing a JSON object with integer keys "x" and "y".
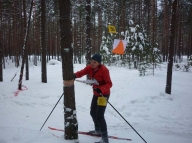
{"x": 43, "y": 44}
{"x": 24, "y": 49}
{"x": 1, "y": 45}
{"x": 165, "y": 32}
{"x": 70, "y": 118}
{"x": 88, "y": 32}
{"x": 171, "y": 48}
{"x": 152, "y": 30}
{"x": 25, "y": 26}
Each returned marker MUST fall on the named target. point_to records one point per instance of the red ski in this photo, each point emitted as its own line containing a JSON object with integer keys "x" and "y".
{"x": 90, "y": 134}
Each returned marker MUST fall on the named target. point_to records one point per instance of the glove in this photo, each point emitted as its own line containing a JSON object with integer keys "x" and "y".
{"x": 97, "y": 90}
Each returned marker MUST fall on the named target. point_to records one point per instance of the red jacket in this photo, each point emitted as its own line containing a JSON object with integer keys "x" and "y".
{"x": 101, "y": 74}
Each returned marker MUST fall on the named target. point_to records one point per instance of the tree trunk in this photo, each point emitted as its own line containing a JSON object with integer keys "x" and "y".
{"x": 24, "y": 49}
{"x": 171, "y": 48}
{"x": 75, "y": 41}
{"x": 190, "y": 53}
{"x": 99, "y": 30}
{"x": 88, "y": 32}
{"x": 1, "y": 44}
{"x": 70, "y": 118}
{"x": 165, "y": 32}
{"x": 43, "y": 44}
{"x": 179, "y": 33}
{"x": 152, "y": 30}
{"x": 122, "y": 27}
{"x": 58, "y": 41}
{"x": 25, "y": 26}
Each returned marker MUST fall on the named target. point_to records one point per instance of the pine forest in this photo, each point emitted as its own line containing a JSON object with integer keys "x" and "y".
{"x": 155, "y": 30}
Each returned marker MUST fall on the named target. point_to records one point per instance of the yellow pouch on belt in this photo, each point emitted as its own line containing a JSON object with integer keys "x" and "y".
{"x": 102, "y": 101}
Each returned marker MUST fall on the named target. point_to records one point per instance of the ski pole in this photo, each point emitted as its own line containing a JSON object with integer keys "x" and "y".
{"x": 51, "y": 111}
{"x": 124, "y": 119}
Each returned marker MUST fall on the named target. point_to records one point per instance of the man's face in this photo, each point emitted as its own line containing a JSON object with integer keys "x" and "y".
{"x": 94, "y": 64}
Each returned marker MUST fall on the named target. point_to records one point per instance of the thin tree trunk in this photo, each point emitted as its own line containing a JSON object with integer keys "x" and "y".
{"x": 88, "y": 32}
{"x": 43, "y": 44}
{"x": 179, "y": 35}
{"x": 99, "y": 30}
{"x": 27, "y": 47}
{"x": 58, "y": 41}
{"x": 75, "y": 41}
{"x": 24, "y": 49}
{"x": 152, "y": 31}
{"x": 171, "y": 48}
{"x": 122, "y": 29}
{"x": 190, "y": 51}
{"x": 1, "y": 44}
{"x": 165, "y": 29}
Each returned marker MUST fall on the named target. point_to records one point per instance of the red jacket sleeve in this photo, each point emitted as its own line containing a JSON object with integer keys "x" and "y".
{"x": 82, "y": 72}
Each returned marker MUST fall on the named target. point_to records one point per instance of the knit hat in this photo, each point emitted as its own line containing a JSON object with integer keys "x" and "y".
{"x": 97, "y": 57}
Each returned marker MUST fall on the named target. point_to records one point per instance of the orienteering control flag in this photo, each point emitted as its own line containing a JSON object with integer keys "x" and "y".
{"x": 119, "y": 46}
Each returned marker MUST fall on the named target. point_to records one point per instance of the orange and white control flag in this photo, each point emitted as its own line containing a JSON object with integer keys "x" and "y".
{"x": 119, "y": 46}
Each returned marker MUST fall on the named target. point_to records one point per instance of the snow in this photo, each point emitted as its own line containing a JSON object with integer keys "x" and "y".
{"x": 132, "y": 29}
{"x": 142, "y": 101}
{"x": 141, "y": 47}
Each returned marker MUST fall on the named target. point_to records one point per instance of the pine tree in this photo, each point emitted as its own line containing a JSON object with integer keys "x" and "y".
{"x": 106, "y": 48}
{"x": 171, "y": 48}
{"x": 43, "y": 43}
{"x": 1, "y": 45}
{"x": 70, "y": 118}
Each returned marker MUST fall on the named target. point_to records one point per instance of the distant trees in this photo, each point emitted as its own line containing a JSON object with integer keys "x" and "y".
{"x": 139, "y": 51}
{"x": 153, "y": 16}
{"x": 90, "y": 19}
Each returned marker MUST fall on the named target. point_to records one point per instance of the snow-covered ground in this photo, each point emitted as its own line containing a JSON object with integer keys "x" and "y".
{"x": 142, "y": 101}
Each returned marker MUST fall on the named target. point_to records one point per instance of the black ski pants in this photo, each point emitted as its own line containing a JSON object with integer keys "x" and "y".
{"x": 97, "y": 114}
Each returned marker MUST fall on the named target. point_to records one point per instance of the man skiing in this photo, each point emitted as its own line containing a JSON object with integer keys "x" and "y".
{"x": 101, "y": 93}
